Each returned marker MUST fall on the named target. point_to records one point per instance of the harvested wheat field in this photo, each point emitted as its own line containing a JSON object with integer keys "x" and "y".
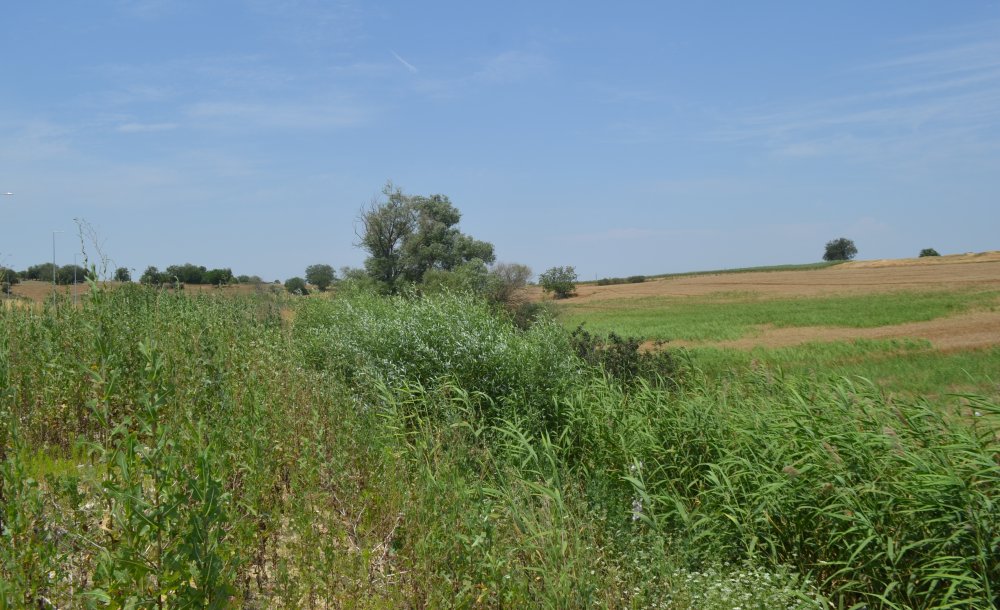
{"x": 972, "y": 321}
{"x": 960, "y": 271}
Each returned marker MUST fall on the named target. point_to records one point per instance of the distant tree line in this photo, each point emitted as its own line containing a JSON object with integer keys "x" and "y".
{"x": 187, "y": 274}
{"x": 64, "y": 275}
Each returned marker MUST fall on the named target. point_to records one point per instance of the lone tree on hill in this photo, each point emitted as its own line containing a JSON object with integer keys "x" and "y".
{"x": 320, "y": 276}
{"x": 928, "y": 252}
{"x": 840, "y": 249}
{"x": 561, "y": 281}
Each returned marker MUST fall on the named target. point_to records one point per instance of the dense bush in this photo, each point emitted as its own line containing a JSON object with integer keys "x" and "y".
{"x": 296, "y": 285}
{"x": 561, "y": 281}
{"x": 928, "y": 252}
{"x": 625, "y": 360}
{"x": 441, "y": 339}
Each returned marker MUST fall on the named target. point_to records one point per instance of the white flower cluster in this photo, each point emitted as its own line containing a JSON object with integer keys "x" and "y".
{"x": 740, "y": 588}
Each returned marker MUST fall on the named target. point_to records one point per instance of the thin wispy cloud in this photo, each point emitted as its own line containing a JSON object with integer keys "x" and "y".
{"x": 146, "y": 127}
{"x": 34, "y": 140}
{"x": 950, "y": 92}
{"x": 406, "y": 64}
{"x": 278, "y": 115}
{"x": 513, "y": 66}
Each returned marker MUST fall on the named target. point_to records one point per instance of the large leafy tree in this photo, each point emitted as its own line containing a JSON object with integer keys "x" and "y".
{"x": 8, "y": 277}
{"x": 217, "y": 277}
{"x": 320, "y": 276}
{"x": 383, "y": 228}
{"x": 407, "y": 236}
{"x": 840, "y": 249}
{"x": 436, "y": 243}
{"x": 187, "y": 273}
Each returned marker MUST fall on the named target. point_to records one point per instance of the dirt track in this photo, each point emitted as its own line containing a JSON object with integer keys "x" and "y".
{"x": 979, "y": 329}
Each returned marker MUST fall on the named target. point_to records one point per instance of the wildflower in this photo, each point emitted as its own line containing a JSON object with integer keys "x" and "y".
{"x": 636, "y": 509}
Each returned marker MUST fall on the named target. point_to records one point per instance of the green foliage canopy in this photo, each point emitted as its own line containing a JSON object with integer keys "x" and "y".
{"x": 561, "y": 281}
{"x": 321, "y": 276}
{"x": 840, "y": 249}
{"x": 407, "y": 236}
{"x": 296, "y": 285}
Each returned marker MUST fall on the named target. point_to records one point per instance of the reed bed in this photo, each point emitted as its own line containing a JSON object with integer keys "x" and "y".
{"x": 164, "y": 450}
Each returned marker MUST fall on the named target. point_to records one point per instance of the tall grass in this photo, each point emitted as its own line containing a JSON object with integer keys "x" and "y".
{"x": 163, "y": 450}
{"x": 886, "y": 503}
{"x": 901, "y": 366}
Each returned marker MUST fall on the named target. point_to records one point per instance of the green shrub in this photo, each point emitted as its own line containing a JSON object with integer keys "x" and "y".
{"x": 624, "y": 359}
{"x": 632, "y": 279}
{"x": 445, "y": 337}
{"x": 561, "y": 281}
{"x": 296, "y": 285}
{"x": 928, "y": 252}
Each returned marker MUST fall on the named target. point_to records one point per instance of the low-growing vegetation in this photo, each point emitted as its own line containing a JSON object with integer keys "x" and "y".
{"x": 164, "y": 450}
{"x": 733, "y": 315}
{"x": 611, "y": 281}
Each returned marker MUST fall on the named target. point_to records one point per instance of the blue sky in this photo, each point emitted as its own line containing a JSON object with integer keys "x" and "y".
{"x": 621, "y": 138}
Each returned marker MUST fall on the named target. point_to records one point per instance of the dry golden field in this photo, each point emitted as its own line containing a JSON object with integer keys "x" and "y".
{"x": 957, "y": 273}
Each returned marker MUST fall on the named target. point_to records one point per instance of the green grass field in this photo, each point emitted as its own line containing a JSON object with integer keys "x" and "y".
{"x": 909, "y": 367}
{"x": 900, "y": 365}
{"x": 725, "y": 316}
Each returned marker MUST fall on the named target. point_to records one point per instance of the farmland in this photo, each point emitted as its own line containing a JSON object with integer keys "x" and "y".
{"x": 166, "y": 449}
{"x": 926, "y": 326}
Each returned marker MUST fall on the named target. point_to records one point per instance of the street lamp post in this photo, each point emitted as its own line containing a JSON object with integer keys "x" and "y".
{"x": 54, "y": 265}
